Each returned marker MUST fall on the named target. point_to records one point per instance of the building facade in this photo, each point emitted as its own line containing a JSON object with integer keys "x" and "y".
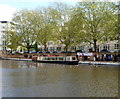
{"x": 52, "y": 46}
{"x": 3, "y": 26}
{"x": 112, "y": 46}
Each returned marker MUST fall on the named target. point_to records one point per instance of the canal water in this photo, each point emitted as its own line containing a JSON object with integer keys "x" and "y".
{"x": 30, "y": 79}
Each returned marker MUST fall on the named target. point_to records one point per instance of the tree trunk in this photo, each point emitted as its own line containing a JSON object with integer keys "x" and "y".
{"x": 11, "y": 50}
{"x": 36, "y": 47}
{"x": 28, "y": 48}
{"x": 66, "y": 48}
{"x": 95, "y": 45}
{"x": 45, "y": 47}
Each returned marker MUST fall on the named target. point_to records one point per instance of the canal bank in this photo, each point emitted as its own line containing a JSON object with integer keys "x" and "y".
{"x": 17, "y": 59}
{"x": 80, "y": 62}
{"x": 99, "y": 63}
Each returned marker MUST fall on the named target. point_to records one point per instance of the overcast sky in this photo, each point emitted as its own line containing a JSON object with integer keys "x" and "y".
{"x": 8, "y": 7}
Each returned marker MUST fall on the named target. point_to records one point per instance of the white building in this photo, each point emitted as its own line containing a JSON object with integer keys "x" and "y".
{"x": 52, "y": 46}
{"x": 3, "y": 27}
{"x": 113, "y": 46}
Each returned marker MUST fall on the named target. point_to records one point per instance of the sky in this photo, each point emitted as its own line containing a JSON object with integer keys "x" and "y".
{"x": 9, "y": 7}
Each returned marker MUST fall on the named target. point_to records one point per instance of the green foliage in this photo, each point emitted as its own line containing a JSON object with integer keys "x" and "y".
{"x": 97, "y": 20}
{"x": 64, "y": 32}
{"x": 12, "y": 39}
{"x": 24, "y": 20}
{"x": 45, "y": 25}
{"x": 91, "y": 22}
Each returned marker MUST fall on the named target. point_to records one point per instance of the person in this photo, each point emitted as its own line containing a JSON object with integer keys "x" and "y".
{"x": 94, "y": 57}
{"x": 118, "y": 57}
{"x": 110, "y": 57}
{"x": 115, "y": 57}
{"x": 30, "y": 56}
{"x": 104, "y": 57}
{"x": 97, "y": 57}
{"x": 77, "y": 57}
{"x": 83, "y": 57}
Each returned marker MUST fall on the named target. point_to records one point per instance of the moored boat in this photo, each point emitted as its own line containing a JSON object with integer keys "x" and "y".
{"x": 1, "y": 58}
{"x": 70, "y": 60}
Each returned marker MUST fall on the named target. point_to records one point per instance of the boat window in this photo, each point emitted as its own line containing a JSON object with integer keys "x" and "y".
{"x": 48, "y": 58}
{"x": 67, "y": 58}
{"x": 58, "y": 58}
{"x": 73, "y": 58}
{"x": 61, "y": 58}
{"x": 45, "y": 58}
{"x": 53, "y": 58}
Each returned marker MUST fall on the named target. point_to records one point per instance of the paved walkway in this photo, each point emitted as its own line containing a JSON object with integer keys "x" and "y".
{"x": 99, "y": 62}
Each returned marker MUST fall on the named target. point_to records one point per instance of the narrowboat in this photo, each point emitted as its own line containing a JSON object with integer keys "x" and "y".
{"x": 70, "y": 60}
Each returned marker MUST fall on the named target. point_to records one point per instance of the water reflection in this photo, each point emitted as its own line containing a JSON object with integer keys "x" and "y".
{"x": 53, "y": 80}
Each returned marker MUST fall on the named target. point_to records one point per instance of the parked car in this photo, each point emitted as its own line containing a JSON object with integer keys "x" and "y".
{"x": 54, "y": 52}
{"x": 81, "y": 51}
{"x": 63, "y": 52}
{"x": 67, "y": 52}
{"x": 40, "y": 52}
{"x": 117, "y": 51}
{"x": 47, "y": 52}
{"x": 32, "y": 52}
{"x": 25, "y": 51}
{"x": 104, "y": 51}
{"x": 15, "y": 52}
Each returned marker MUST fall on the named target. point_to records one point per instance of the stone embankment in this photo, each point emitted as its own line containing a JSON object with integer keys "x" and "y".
{"x": 18, "y": 59}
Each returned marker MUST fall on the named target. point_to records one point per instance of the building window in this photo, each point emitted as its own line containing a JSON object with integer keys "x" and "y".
{"x": 73, "y": 48}
{"x": 116, "y": 46}
{"x": 51, "y": 49}
{"x": 4, "y": 48}
{"x": 88, "y": 47}
{"x": 40, "y": 49}
{"x": 3, "y": 21}
{"x": 50, "y": 43}
{"x": 3, "y": 31}
{"x": 3, "y": 27}
{"x": 4, "y": 42}
{"x": 58, "y": 48}
{"x": 3, "y": 36}
{"x": 81, "y": 47}
{"x": 106, "y": 46}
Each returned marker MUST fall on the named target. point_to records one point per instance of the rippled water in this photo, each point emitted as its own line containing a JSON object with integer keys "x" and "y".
{"x": 29, "y": 79}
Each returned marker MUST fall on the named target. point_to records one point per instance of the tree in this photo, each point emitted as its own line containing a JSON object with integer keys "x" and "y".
{"x": 25, "y": 28}
{"x": 12, "y": 39}
{"x": 64, "y": 31}
{"x": 96, "y": 20}
{"x": 68, "y": 35}
{"x": 47, "y": 22}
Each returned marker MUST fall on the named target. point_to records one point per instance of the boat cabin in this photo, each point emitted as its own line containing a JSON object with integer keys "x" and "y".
{"x": 57, "y": 58}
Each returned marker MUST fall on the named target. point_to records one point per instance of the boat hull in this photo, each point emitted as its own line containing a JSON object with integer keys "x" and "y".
{"x": 59, "y": 62}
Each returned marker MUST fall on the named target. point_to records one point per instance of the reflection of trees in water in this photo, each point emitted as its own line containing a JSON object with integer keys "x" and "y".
{"x": 27, "y": 75}
{"x": 1, "y": 64}
{"x": 86, "y": 80}
{"x": 27, "y": 64}
{"x": 10, "y": 64}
